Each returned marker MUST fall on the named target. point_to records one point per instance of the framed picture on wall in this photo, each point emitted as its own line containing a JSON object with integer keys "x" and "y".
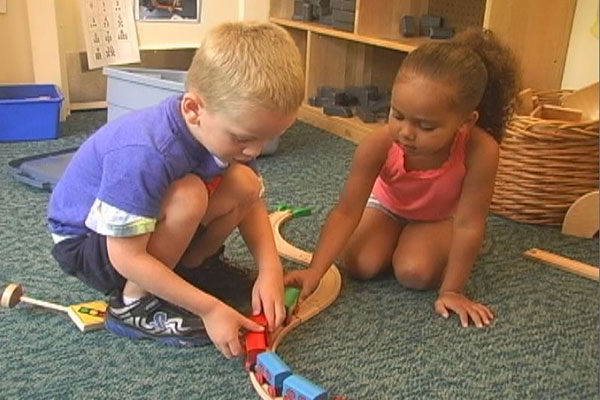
{"x": 168, "y": 10}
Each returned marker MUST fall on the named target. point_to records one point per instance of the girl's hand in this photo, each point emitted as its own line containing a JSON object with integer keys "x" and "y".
{"x": 223, "y": 325}
{"x": 465, "y": 308}
{"x": 267, "y": 296}
{"x": 306, "y": 279}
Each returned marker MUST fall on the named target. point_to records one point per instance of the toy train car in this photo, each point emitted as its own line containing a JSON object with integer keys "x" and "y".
{"x": 271, "y": 369}
{"x": 296, "y": 387}
{"x": 256, "y": 342}
{"x": 291, "y": 299}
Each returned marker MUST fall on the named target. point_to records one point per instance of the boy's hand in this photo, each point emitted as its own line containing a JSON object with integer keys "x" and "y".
{"x": 465, "y": 308}
{"x": 223, "y": 325}
{"x": 267, "y": 296}
{"x": 306, "y": 279}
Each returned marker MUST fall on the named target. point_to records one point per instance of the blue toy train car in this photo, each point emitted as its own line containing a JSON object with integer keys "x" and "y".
{"x": 296, "y": 387}
{"x": 280, "y": 380}
{"x": 272, "y": 370}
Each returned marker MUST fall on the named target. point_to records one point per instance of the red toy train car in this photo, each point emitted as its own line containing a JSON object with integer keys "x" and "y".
{"x": 256, "y": 342}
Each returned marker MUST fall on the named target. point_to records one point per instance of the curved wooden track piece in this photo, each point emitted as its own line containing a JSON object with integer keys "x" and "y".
{"x": 325, "y": 294}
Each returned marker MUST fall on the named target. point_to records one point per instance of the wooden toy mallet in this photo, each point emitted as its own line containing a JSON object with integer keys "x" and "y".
{"x": 13, "y": 295}
{"x": 87, "y": 316}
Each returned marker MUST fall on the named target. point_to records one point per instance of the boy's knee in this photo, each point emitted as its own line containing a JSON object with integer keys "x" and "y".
{"x": 414, "y": 275}
{"x": 188, "y": 195}
{"x": 243, "y": 184}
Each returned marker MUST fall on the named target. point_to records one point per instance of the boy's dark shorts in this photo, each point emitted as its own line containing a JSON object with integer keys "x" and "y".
{"x": 86, "y": 257}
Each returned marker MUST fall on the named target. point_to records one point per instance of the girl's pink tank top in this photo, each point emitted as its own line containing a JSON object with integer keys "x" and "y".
{"x": 429, "y": 195}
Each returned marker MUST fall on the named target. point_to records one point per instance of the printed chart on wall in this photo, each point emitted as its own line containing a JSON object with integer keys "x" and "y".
{"x": 168, "y": 10}
{"x": 110, "y": 35}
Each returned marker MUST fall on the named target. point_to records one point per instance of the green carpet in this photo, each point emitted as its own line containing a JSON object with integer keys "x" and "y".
{"x": 377, "y": 341}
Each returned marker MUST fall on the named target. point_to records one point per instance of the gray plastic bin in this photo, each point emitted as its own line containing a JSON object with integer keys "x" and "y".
{"x": 130, "y": 89}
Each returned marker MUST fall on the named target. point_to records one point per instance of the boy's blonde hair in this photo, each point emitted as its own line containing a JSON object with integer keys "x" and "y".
{"x": 244, "y": 64}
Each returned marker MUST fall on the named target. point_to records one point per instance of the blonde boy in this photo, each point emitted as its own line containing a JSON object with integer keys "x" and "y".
{"x": 167, "y": 185}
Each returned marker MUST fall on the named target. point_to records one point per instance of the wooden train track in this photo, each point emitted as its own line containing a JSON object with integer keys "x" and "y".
{"x": 325, "y": 294}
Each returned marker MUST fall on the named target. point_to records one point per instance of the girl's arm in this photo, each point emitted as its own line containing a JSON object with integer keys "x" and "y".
{"x": 345, "y": 216}
{"x": 471, "y": 214}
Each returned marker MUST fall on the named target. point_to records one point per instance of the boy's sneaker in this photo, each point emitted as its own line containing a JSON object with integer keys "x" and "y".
{"x": 153, "y": 318}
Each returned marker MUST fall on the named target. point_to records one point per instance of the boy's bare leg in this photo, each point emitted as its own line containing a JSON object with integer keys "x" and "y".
{"x": 422, "y": 253}
{"x": 183, "y": 207}
{"x": 227, "y": 207}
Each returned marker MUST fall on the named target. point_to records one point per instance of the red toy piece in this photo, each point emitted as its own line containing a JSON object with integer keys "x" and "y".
{"x": 256, "y": 342}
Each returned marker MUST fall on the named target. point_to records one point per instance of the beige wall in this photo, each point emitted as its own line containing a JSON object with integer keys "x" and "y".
{"x": 581, "y": 67}
{"x": 46, "y": 40}
{"x": 15, "y": 47}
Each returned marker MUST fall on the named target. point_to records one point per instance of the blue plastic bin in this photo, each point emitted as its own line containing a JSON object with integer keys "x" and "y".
{"x": 29, "y": 112}
{"x": 131, "y": 88}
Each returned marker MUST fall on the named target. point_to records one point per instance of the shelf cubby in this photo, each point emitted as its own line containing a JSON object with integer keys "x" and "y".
{"x": 371, "y": 55}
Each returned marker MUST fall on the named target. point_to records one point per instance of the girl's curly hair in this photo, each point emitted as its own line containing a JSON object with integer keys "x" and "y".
{"x": 483, "y": 71}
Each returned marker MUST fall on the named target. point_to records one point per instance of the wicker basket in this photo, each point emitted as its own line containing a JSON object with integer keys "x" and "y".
{"x": 545, "y": 165}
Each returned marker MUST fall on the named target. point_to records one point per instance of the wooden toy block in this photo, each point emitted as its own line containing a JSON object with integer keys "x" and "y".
{"x": 550, "y": 111}
{"x": 586, "y": 100}
{"x": 566, "y": 264}
{"x": 328, "y": 91}
{"x": 341, "y": 99}
{"x": 380, "y": 106}
{"x": 536, "y": 112}
{"x": 362, "y": 94}
{"x": 321, "y": 101}
{"x": 409, "y": 26}
{"x": 439, "y": 32}
{"x": 307, "y": 12}
{"x": 428, "y": 21}
{"x": 298, "y": 10}
{"x": 88, "y": 316}
{"x": 524, "y": 104}
{"x": 343, "y": 16}
{"x": 344, "y": 5}
{"x": 321, "y": 9}
{"x": 338, "y": 111}
{"x": 326, "y": 20}
{"x": 366, "y": 115}
{"x": 343, "y": 26}
{"x": 560, "y": 113}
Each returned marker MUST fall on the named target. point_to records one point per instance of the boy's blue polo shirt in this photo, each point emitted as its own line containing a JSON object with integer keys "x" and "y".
{"x": 128, "y": 164}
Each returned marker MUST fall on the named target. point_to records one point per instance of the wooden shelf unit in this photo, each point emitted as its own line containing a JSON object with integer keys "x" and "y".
{"x": 372, "y": 54}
